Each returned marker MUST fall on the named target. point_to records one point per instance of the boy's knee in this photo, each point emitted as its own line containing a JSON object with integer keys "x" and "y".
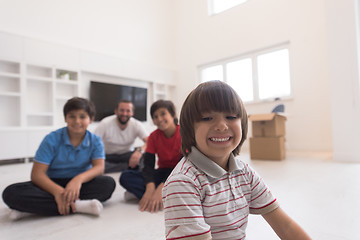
{"x": 111, "y": 184}
{"x": 121, "y": 179}
{"x": 108, "y": 183}
{"x": 8, "y": 194}
{"x": 124, "y": 178}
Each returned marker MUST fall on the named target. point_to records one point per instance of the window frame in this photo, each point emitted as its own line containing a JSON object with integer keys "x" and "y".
{"x": 252, "y": 55}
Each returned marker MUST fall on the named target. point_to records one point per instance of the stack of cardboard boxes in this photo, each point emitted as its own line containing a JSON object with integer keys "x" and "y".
{"x": 268, "y": 136}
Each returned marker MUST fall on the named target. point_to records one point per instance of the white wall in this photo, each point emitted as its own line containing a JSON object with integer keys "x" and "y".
{"x": 259, "y": 24}
{"x": 137, "y": 30}
{"x": 344, "y": 78}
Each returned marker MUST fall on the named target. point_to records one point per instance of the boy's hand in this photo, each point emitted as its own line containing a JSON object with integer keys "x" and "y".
{"x": 72, "y": 192}
{"x": 156, "y": 203}
{"x": 145, "y": 200}
{"x": 152, "y": 200}
{"x": 62, "y": 205}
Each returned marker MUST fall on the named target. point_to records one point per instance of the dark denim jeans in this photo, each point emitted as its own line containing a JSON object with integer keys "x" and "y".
{"x": 133, "y": 181}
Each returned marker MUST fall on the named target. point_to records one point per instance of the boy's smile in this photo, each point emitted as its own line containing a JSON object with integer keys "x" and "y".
{"x": 163, "y": 120}
{"x": 77, "y": 121}
{"x": 223, "y": 139}
{"x": 217, "y": 135}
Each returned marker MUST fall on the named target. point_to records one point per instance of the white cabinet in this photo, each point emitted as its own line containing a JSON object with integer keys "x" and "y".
{"x": 38, "y": 95}
{"x": 10, "y": 93}
{"x": 66, "y": 86}
{"x": 33, "y": 95}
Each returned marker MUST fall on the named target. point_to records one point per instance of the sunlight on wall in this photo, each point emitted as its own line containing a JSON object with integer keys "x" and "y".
{"x": 218, "y": 6}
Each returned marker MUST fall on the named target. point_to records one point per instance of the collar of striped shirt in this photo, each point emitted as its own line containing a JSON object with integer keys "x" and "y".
{"x": 208, "y": 166}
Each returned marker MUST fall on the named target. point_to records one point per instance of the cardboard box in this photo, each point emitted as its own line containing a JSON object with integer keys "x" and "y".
{"x": 268, "y": 125}
{"x": 267, "y": 148}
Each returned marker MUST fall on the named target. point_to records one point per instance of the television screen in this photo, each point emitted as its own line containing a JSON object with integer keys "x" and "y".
{"x": 105, "y": 97}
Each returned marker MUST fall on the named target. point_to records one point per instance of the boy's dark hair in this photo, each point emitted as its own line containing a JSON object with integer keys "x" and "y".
{"x": 164, "y": 104}
{"x": 77, "y": 103}
{"x": 212, "y": 96}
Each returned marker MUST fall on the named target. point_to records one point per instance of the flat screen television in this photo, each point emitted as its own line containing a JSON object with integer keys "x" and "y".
{"x": 105, "y": 97}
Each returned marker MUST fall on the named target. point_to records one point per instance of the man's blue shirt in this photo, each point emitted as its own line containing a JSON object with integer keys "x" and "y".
{"x": 64, "y": 160}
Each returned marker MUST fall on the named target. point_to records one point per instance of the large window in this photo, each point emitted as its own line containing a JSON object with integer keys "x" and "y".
{"x": 217, "y": 6}
{"x": 213, "y": 72}
{"x": 273, "y": 74}
{"x": 261, "y": 75}
{"x": 241, "y": 69}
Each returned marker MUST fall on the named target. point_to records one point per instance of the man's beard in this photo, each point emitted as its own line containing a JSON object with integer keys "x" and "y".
{"x": 123, "y": 122}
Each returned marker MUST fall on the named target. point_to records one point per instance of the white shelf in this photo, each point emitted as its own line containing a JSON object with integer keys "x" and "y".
{"x": 9, "y": 67}
{"x": 69, "y": 82}
{"x": 10, "y": 94}
{"x": 39, "y": 96}
{"x": 66, "y": 75}
{"x": 9, "y": 110}
{"x": 11, "y": 75}
{"x": 10, "y": 86}
{"x": 35, "y": 71}
{"x": 40, "y": 79}
{"x": 66, "y": 90}
{"x": 32, "y": 95}
{"x": 9, "y": 83}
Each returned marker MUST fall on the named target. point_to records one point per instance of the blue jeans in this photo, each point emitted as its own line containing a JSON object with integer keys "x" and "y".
{"x": 133, "y": 181}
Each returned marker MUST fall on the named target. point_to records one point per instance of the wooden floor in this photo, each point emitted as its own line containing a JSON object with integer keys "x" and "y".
{"x": 321, "y": 195}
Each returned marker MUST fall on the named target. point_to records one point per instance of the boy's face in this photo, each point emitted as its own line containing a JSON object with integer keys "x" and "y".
{"x": 77, "y": 121}
{"x": 163, "y": 119}
{"x": 217, "y": 135}
{"x": 124, "y": 112}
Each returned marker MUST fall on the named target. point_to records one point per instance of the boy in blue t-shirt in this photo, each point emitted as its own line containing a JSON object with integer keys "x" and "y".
{"x": 66, "y": 176}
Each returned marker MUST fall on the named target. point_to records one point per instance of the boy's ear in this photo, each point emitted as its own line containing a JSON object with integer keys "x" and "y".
{"x": 92, "y": 119}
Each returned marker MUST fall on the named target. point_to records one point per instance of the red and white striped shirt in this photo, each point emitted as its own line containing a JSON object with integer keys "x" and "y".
{"x": 203, "y": 201}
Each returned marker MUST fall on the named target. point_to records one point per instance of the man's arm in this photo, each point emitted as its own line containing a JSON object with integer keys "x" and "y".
{"x": 143, "y": 148}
